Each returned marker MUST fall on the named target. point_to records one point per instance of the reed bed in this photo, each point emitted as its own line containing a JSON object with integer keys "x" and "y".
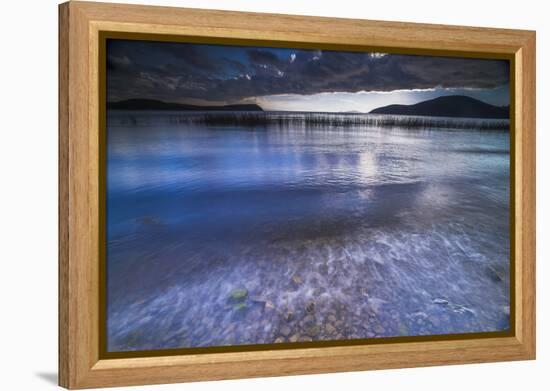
{"x": 299, "y": 119}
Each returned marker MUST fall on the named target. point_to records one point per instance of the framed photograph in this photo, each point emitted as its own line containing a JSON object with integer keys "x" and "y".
{"x": 248, "y": 195}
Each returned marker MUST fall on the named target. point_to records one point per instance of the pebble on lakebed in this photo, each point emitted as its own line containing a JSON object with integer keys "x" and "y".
{"x": 238, "y": 294}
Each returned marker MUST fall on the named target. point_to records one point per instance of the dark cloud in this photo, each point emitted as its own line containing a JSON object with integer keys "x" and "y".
{"x": 179, "y": 72}
{"x": 263, "y": 57}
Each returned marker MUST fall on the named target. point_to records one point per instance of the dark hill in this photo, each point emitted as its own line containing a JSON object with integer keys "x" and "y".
{"x": 151, "y": 104}
{"x": 448, "y": 106}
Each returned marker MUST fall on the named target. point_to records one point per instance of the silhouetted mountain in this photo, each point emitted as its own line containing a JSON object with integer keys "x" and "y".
{"x": 151, "y": 104}
{"x": 448, "y": 106}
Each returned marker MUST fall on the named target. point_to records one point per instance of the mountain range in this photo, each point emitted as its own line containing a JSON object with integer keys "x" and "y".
{"x": 458, "y": 106}
{"x": 448, "y": 106}
{"x": 152, "y": 104}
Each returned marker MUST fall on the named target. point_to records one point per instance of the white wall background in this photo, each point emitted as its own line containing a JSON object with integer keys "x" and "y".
{"x": 28, "y": 194}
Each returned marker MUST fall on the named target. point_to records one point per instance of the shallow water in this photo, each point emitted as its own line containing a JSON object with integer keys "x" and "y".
{"x": 220, "y": 235}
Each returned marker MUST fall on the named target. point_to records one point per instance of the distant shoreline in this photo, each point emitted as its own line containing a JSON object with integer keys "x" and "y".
{"x": 310, "y": 119}
{"x": 452, "y": 106}
{"x": 151, "y": 104}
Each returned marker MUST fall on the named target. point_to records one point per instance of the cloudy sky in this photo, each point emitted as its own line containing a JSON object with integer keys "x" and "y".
{"x": 294, "y": 79}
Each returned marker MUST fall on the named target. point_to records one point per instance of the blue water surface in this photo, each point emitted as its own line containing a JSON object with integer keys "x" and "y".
{"x": 230, "y": 235}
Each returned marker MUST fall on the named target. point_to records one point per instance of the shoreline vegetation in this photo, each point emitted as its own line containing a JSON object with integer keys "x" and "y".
{"x": 258, "y": 119}
{"x": 446, "y": 112}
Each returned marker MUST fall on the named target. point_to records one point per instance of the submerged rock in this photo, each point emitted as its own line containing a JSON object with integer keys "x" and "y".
{"x": 294, "y": 338}
{"x": 379, "y": 330}
{"x": 238, "y": 294}
{"x": 285, "y": 330}
{"x": 132, "y": 338}
{"x": 402, "y": 329}
{"x": 330, "y": 329}
{"x": 312, "y": 331}
{"x": 308, "y": 320}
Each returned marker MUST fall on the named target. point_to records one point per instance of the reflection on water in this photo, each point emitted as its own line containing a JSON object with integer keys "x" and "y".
{"x": 224, "y": 235}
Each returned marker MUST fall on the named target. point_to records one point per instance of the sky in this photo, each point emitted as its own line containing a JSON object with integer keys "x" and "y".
{"x": 294, "y": 79}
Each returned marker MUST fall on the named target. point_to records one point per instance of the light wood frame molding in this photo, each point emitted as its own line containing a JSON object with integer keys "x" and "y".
{"x": 80, "y": 24}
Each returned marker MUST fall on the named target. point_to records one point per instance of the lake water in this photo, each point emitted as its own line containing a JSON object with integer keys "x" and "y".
{"x": 229, "y": 235}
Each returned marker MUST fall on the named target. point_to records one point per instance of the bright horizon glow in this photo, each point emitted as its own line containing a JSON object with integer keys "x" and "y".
{"x": 366, "y": 101}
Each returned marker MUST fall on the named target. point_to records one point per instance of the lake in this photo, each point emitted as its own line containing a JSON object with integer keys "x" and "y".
{"x": 224, "y": 232}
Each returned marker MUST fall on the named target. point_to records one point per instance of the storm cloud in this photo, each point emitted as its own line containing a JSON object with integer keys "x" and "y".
{"x": 183, "y": 72}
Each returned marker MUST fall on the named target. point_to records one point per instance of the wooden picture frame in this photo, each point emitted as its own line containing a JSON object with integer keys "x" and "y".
{"x": 81, "y": 24}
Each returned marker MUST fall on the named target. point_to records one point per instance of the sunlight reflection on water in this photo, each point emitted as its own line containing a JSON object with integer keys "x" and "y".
{"x": 387, "y": 231}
